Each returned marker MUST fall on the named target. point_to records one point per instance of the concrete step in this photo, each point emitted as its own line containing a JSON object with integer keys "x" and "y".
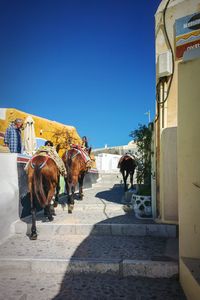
{"x": 122, "y": 256}
{"x": 95, "y": 222}
{"x": 123, "y": 268}
{"x": 153, "y": 230}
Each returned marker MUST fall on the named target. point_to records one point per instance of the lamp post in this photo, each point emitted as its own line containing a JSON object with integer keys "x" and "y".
{"x": 149, "y": 115}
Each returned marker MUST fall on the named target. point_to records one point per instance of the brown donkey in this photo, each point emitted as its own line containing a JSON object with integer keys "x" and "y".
{"x": 77, "y": 167}
{"x": 43, "y": 181}
{"x": 127, "y": 165}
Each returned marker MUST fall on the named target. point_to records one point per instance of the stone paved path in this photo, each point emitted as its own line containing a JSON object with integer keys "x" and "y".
{"x": 41, "y": 269}
{"x": 27, "y": 286}
{"x": 81, "y": 246}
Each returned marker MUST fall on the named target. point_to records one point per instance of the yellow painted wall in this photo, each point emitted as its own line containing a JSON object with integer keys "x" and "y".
{"x": 49, "y": 130}
{"x": 188, "y": 146}
{"x": 44, "y": 128}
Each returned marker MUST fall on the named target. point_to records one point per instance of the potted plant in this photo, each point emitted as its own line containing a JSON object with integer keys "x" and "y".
{"x": 142, "y": 199}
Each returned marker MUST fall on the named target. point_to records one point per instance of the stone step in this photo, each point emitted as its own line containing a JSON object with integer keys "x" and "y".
{"x": 121, "y": 268}
{"x": 122, "y": 256}
{"x": 153, "y": 230}
{"x": 96, "y": 217}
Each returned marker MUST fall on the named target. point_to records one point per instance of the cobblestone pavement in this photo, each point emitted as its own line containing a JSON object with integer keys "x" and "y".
{"x": 101, "y": 204}
{"x": 26, "y": 286}
{"x": 91, "y": 247}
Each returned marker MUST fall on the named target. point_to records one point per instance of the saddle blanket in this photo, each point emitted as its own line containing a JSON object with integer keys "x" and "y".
{"x": 124, "y": 156}
{"x": 84, "y": 155}
{"x": 51, "y": 152}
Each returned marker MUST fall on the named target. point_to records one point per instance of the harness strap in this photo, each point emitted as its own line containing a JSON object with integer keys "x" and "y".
{"x": 77, "y": 152}
{"x": 42, "y": 164}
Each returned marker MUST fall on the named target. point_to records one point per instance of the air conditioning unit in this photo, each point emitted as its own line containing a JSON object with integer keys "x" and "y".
{"x": 164, "y": 64}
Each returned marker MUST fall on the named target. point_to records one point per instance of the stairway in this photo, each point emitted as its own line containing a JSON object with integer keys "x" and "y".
{"x": 99, "y": 240}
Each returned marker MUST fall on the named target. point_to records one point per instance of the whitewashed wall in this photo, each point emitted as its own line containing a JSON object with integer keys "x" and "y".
{"x": 9, "y": 193}
{"x": 107, "y": 163}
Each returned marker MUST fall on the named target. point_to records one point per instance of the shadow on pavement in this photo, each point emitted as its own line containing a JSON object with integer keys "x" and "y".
{"x": 111, "y": 285}
{"x": 100, "y": 246}
{"x": 114, "y": 194}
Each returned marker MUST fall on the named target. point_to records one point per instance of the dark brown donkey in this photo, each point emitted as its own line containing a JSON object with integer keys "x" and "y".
{"x": 127, "y": 165}
{"x": 76, "y": 167}
{"x": 43, "y": 181}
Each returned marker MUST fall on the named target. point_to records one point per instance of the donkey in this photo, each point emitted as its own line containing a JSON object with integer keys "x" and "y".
{"x": 127, "y": 165}
{"x": 43, "y": 181}
{"x": 75, "y": 160}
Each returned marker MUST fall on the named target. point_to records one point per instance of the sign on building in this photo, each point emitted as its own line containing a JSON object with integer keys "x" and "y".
{"x": 187, "y": 34}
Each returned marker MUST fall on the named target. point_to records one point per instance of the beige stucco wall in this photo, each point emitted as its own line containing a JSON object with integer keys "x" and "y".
{"x": 188, "y": 146}
{"x": 176, "y": 9}
{"x": 168, "y": 176}
{"x": 189, "y": 284}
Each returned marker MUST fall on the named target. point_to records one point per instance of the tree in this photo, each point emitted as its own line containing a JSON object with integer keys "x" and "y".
{"x": 142, "y": 136}
{"x": 62, "y": 137}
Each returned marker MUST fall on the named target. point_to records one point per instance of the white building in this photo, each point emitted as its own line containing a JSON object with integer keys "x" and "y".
{"x": 107, "y": 158}
{"x": 107, "y": 163}
{"x": 120, "y": 150}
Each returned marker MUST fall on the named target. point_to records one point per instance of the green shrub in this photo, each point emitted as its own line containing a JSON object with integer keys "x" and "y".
{"x": 142, "y": 136}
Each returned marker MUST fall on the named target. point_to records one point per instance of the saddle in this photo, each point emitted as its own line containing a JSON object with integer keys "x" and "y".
{"x": 50, "y": 152}
{"x": 84, "y": 154}
{"x": 126, "y": 156}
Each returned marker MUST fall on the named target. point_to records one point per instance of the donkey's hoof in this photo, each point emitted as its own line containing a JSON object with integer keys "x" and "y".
{"x": 50, "y": 218}
{"x": 33, "y": 236}
{"x": 70, "y": 208}
{"x": 55, "y": 204}
{"x": 53, "y": 213}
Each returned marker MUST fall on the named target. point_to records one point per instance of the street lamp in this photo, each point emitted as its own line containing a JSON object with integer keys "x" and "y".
{"x": 149, "y": 116}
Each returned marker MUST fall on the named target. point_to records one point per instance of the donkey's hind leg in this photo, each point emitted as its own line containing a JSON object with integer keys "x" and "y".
{"x": 125, "y": 175}
{"x": 131, "y": 179}
{"x": 49, "y": 212}
{"x": 80, "y": 181}
{"x": 49, "y": 206}
{"x": 33, "y": 235}
{"x": 57, "y": 193}
{"x": 71, "y": 200}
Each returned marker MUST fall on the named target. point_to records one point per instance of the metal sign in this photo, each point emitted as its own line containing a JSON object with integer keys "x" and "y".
{"x": 187, "y": 34}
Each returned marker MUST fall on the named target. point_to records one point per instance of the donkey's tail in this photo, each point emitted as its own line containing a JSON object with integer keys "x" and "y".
{"x": 38, "y": 181}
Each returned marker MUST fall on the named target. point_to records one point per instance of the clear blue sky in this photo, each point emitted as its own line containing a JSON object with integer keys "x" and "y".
{"x": 86, "y": 63}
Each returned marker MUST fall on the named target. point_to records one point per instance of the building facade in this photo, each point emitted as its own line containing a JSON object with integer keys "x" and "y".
{"x": 176, "y": 143}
